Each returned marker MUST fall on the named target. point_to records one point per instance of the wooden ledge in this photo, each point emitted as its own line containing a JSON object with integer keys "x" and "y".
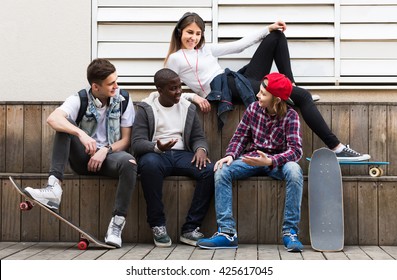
{"x": 170, "y": 178}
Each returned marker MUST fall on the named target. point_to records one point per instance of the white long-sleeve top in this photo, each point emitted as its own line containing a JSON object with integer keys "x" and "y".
{"x": 201, "y": 66}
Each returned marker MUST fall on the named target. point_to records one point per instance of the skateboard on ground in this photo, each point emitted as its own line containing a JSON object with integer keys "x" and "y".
{"x": 326, "y": 222}
{"x": 85, "y": 238}
{"x": 374, "y": 166}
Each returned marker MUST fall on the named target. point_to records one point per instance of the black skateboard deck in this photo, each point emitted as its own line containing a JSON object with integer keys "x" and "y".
{"x": 85, "y": 236}
{"x": 325, "y": 202}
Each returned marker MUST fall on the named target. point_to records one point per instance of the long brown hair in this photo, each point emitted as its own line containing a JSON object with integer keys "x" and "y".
{"x": 280, "y": 107}
{"x": 187, "y": 19}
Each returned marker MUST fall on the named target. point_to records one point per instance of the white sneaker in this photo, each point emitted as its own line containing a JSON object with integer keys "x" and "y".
{"x": 113, "y": 235}
{"x": 315, "y": 97}
{"x": 348, "y": 154}
{"x": 49, "y": 196}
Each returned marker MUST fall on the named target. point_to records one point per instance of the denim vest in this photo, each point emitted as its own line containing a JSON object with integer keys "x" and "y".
{"x": 89, "y": 122}
{"x": 221, "y": 93}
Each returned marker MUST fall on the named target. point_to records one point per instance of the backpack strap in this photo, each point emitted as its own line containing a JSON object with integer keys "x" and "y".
{"x": 83, "y": 105}
{"x": 124, "y": 103}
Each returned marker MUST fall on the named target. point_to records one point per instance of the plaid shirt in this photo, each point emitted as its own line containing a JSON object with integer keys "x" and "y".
{"x": 280, "y": 139}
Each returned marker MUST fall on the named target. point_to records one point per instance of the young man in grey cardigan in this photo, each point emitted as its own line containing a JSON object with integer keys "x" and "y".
{"x": 168, "y": 140}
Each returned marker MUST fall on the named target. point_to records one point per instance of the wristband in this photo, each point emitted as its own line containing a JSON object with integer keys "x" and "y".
{"x": 110, "y": 149}
{"x": 201, "y": 148}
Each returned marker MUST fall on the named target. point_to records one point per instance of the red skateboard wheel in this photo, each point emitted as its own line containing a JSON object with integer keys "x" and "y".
{"x": 83, "y": 244}
{"x": 25, "y": 206}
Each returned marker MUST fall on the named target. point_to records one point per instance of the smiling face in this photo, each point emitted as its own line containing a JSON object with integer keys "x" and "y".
{"x": 170, "y": 93}
{"x": 191, "y": 36}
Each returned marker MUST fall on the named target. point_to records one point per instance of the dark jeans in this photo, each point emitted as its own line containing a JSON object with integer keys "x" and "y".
{"x": 154, "y": 167}
{"x": 274, "y": 47}
{"x": 116, "y": 165}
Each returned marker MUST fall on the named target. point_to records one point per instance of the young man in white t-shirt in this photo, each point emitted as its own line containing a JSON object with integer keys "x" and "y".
{"x": 168, "y": 140}
{"x": 97, "y": 145}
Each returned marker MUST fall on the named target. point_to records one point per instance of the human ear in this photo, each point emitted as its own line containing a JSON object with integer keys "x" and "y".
{"x": 95, "y": 87}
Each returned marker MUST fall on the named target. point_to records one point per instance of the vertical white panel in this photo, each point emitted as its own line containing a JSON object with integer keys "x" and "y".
{"x": 337, "y": 42}
{"x": 94, "y": 29}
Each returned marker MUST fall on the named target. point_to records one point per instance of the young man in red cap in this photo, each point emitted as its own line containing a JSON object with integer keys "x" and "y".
{"x": 266, "y": 142}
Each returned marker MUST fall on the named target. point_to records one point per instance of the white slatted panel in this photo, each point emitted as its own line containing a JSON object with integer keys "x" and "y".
{"x": 154, "y": 3}
{"x": 293, "y": 30}
{"x": 368, "y": 2}
{"x": 310, "y": 31}
{"x": 135, "y": 34}
{"x": 369, "y": 67}
{"x": 369, "y": 50}
{"x": 137, "y": 67}
{"x": 373, "y": 14}
{"x": 274, "y": 2}
{"x": 133, "y": 50}
{"x": 330, "y": 41}
{"x": 369, "y": 40}
{"x": 140, "y": 32}
{"x": 368, "y": 80}
{"x": 369, "y": 31}
{"x": 301, "y": 13}
{"x": 148, "y": 14}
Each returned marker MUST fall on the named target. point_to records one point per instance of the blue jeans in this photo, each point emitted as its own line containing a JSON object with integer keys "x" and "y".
{"x": 154, "y": 167}
{"x": 291, "y": 172}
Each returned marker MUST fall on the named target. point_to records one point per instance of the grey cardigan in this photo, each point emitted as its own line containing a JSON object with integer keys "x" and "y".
{"x": 144, "y": 125}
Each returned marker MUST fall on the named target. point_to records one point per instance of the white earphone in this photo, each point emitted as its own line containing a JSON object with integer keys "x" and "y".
{"x": 97, "y": 102}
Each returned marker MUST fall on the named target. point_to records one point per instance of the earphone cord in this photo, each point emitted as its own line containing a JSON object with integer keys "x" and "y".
{"x": 194, "y": 72}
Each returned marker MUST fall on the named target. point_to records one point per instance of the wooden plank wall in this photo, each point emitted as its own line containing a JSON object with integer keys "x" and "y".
{"x": 369, "y": 207}
{"x": 26, "y": 139}
{"x": 26, "y": 144}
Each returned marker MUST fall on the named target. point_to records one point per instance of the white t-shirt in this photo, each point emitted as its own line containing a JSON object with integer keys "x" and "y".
{"x": 71, "y": 107}
{"x": 169, "y": 124}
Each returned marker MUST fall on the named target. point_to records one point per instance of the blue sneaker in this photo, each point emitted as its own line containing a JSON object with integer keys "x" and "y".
{"x": 219, "y": 240}
{"x": 291, "y": 242}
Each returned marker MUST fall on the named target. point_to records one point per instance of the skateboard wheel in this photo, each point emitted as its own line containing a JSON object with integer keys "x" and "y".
{"x": 83, "y": 244}
{"x": 25, "y": 206}
{"x": 375, "y": 172}
{"x": 381, "y": 172}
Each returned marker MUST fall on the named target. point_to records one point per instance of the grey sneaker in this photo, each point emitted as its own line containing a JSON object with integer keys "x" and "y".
{"x": 160, "y": 237}
{"x": 49, "y": 196}
{"x": 348, "y": 154}
{"x": 191, "y": 237}
{"x": 113, "y": 235}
